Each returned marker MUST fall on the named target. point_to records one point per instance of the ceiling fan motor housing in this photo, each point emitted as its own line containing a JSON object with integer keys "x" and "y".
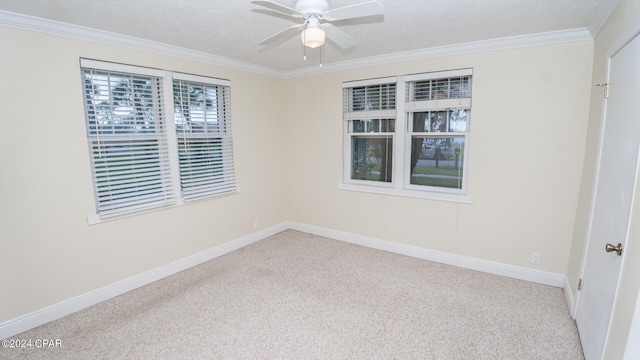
{"x": 312, "y": 6}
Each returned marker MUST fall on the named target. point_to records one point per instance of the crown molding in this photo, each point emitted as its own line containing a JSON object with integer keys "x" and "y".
{"x": 32, "y": 23}
{"x": 511, "y": 42}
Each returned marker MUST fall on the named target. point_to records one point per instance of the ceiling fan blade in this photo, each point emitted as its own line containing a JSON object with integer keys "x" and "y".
{"x": 279, "y": 8}
{"x": 338, "y": 36}
{"x": 288, "y": 32}
{"x": 369, "y": 8}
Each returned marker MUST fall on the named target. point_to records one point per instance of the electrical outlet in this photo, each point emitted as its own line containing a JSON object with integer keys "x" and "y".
{"x": 256, "y": 224}
{"x": 535, "y": 258}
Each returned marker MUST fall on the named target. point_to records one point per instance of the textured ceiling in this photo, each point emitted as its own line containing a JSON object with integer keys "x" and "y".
{"x": 232, "y": 28}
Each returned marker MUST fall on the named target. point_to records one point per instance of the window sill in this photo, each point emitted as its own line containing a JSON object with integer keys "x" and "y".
{"x": 93, "y": 219}
{"x": 458, "y": 198}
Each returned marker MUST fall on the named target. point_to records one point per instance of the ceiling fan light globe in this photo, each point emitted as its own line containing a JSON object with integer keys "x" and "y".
{"x": 312, "y": 37}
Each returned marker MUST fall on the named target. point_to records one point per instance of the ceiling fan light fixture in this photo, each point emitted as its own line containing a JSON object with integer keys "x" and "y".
{"x": 312, "y": 37}
{"x": 311, "y": 12}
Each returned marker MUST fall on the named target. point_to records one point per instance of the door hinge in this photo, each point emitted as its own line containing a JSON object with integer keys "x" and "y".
{"x": 579, "y": 284}
{"x": 605, "y": 88}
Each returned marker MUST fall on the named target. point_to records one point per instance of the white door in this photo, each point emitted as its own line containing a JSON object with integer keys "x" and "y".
{"x": 612, "y": 203}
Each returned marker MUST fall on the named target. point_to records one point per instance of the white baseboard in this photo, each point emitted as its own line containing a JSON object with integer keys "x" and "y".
{"x": 40, "y": 317}
{"x": 511, "y": 271}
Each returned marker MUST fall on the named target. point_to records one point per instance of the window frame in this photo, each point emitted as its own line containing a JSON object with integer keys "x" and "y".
{"x": 400, "y": 184}
{"x": 166, "y": 113}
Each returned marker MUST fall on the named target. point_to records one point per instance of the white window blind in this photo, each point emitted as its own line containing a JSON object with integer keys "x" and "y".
{"x": 203, "y": 130}
{"x": 364, "y": 100}
{"x": 127, "y": 141}
{"x": 156, "y": 138}
{"x": 448, "y": 89}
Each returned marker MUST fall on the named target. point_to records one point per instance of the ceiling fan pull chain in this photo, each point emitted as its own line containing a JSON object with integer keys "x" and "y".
{"x": 304, "y": 39}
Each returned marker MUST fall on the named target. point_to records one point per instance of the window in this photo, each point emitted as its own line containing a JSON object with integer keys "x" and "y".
{"x": 370, "y": 113}
{"x": 417, "y": 147}
{"x": 152, "y": 147}
{"x": 203, "y": 128}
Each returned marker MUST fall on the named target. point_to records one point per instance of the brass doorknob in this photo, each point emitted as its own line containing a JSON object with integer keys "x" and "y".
{"x": 611, "y": 248}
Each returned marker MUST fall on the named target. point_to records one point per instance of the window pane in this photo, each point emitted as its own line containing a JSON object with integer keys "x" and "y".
{"x": 199, "y": 108}
{"x": 371, "y": 158}
{"x": 373, "y": 125}
{"x": 128, "y": 148}
{"x": 202, "y": 167}
{"x": 437, "y": 161}
{"x": 126, "y": 173}
{"x": 204, "y": 141}
{"x": 435, "y": 89}
{"x": 372, "y": 97}
{"x": 120, "y": 104}
{"x": 388, "y": 125}
{"x": 458, "y": 120}
{"x": 359, "y": 126}
{"x": 441, "y": 121}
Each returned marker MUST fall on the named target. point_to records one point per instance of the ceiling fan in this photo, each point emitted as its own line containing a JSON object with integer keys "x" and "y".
{"x": 316, "y": 17}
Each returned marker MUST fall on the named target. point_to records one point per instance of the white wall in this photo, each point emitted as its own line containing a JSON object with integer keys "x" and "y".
{"x": 623, "y": 24}
{"x": 49, "y": 253}
{"x": 528, "y": 128}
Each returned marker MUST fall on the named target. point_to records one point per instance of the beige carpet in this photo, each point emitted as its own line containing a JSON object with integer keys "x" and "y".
{"x": 300, "y": 296}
